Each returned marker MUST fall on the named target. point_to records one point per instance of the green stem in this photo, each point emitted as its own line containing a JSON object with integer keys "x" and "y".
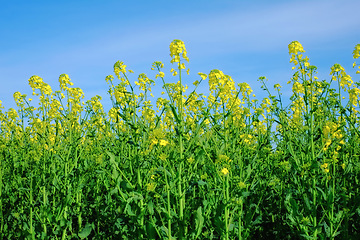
{"x": 168, "y": 204}
{"x": 240, "y": 219}
{"x": 314, "y": 210}
{"x": 181, "y": 130}
{"x": 227, "y": 198}
{"x": 182, "y": 196}
{"x": 31, "y": 208}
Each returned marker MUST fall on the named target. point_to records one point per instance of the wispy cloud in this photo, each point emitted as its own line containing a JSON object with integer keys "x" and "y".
{"x": 262, "y": 29}
{"x": 269, "y": 28}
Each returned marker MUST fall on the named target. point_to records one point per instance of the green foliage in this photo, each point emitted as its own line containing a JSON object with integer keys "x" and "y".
{"x": 223, "y": 166}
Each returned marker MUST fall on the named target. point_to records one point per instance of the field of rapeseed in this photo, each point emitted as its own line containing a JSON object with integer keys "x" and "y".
{"x": 222, "y": 166}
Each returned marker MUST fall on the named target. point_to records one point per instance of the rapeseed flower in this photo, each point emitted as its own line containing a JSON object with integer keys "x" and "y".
{"x": 242, "y": 185}
{"x": 325, "y": 167}
{"x": 295, "y": 47}
{"x": 190, "y": 160}
{"x": 356, "y": 52}
{"x": 225, "y": 171}
{"x": 161, "y": 74}
{"x": 64, "y": 81}
{"x": 163, "y": 142}
{"x": 177, "y": 47}
{"x": 354, "y": 95}
{"x": 204, "y": 176}
{"x": 150, "y": 187}
{"x": 174, "y": 73}
{"x": 119, "y": 67}
{"x": 202, "y": 75}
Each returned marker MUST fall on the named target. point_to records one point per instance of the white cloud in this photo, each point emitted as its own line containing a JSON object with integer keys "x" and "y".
{"x": 264, "y": 29}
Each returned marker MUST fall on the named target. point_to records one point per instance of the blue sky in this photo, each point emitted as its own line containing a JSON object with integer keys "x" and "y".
{"x": 244, "y": 39}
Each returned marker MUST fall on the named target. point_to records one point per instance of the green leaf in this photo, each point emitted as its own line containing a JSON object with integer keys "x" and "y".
{"x": 245, "y": 194}
{"x": 150, "y": 231}
{"x": 128, "y": 210}
{"x": 201, "y": 183}
{"x": 86, "y": 231}
{"x": 199, "y": 220}
{"x": 150, "y": 206}
{"x": 175, "y": 113}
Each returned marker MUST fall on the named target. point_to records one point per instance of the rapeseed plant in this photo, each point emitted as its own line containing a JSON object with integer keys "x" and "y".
{"x": 222, "y": 166}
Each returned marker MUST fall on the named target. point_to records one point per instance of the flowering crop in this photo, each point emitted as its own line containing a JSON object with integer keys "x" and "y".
{"x": 222, "y": 166}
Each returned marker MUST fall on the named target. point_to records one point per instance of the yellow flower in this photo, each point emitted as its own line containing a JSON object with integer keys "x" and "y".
{"x": 109, "y": 78}
{"x": 150, "y": 187}
{"x": 176, "y": 48}
{"x": 223, "y": 159}
{"x": 174, "y": 73}
{"x": 225, "y": 171}
{"x": 119, "y": 67}
{"x": 343, "y": 166}
{"x": 326, "y": 131}
{"x": 325, "y": 167}
{"x": 163, "y": 142}
{"x": 12, "y": 114}
{"x": 161, "y": 74}
{"x": 295, "y": 47}
{"x": 242, "y": 185}
{"x": 356, "y": 52}
{"x": 204, "y": 176}
{"x": 190, "y": 160}
{"x": 277, "y": 86}
{"x": 202, "y": 75}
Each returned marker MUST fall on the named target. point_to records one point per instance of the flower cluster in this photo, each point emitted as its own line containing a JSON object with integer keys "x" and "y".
{"x": 177, "y": 47}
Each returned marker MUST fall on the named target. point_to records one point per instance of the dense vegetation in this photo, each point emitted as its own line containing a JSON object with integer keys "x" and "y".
{"x": 222, "y": 166}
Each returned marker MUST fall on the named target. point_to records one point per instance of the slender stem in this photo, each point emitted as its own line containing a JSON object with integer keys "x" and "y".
{"x": 168, "y": 204}
{"x": 227, "y": 198}
{"x": 181, "y": 130}
{"x": 240, "y": 219}
{"x": 314, "y": 210}
{"x": 31, "y": 208}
